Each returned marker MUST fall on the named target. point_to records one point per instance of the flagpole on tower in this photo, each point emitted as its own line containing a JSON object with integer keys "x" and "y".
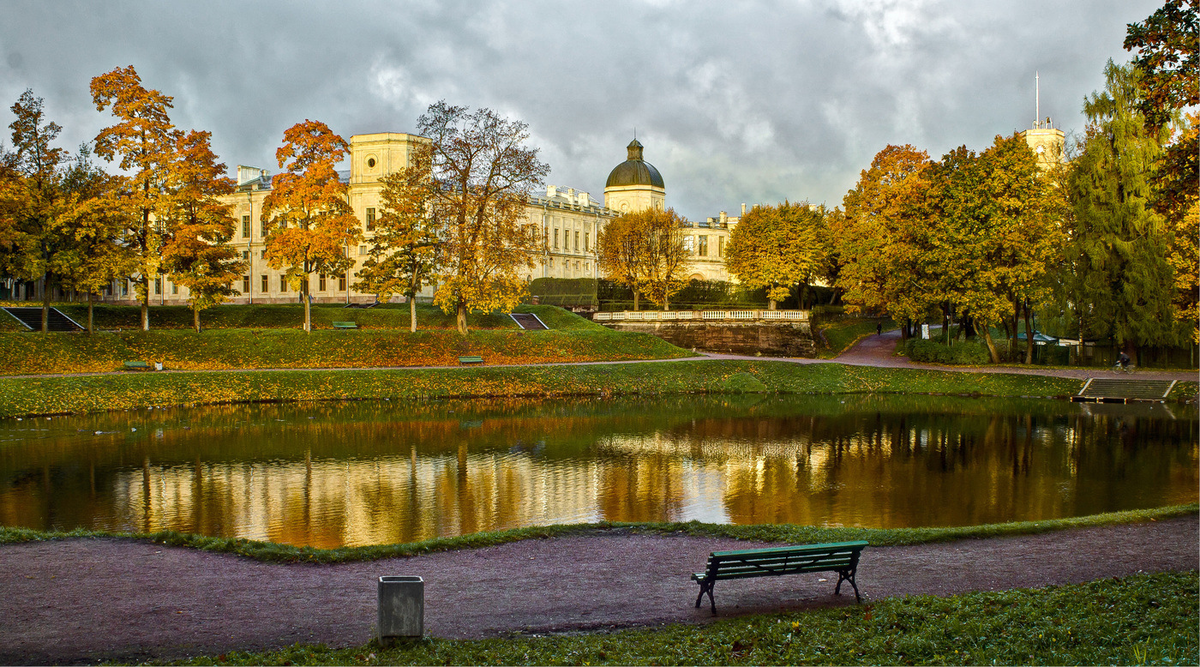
{"x": 1037, "y": 97}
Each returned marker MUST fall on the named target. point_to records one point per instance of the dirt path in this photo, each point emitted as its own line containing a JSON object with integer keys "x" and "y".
{"x": 87, "y": 600}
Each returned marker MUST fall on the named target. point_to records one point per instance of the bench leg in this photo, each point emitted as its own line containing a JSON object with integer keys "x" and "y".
{"x": 707, "y": 588}
{"x": 847, "y": 576}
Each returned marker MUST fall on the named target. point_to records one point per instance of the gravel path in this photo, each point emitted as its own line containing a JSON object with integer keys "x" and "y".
{"x": 86, "y": 600}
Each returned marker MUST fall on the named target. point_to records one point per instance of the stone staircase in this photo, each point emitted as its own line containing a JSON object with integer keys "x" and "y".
{"x": 528, "y": 321}
{"x": 32, "y": 318}
{"x": 1105, "y": 390}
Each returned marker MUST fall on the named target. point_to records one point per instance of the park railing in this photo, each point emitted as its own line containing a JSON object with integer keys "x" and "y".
{"x": 702, "y": 315}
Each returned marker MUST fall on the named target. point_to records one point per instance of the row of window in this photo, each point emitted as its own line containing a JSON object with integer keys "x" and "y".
{"x": 322, "y": 285}
{"x": 370, "y": 224}
{"x": 566, "y": 240}
{"x": 700, "y": 249}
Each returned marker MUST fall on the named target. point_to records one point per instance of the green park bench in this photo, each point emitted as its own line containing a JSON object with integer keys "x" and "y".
{"x": 345, "y": 325}
{"x": 470, "y": 360}
{"x": 837, "y": 557}
{"x": 136, "y": 366}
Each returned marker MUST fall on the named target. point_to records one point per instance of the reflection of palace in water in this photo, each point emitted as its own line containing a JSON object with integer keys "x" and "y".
{"x": 330, "y": 483}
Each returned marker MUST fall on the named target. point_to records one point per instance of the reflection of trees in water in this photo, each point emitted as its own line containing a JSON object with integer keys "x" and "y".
{"x": 371, "y": 473}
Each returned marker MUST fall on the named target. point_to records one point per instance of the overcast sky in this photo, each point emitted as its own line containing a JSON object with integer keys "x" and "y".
{"x": 735, "y": 101}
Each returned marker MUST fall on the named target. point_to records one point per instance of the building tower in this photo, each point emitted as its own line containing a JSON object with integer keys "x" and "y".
{"x": 1046, "y": 141}
{"x": 634, "y": 185}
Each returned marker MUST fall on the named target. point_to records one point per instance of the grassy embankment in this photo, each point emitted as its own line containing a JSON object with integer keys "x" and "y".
{"x": 95, "y": 393}
{"x": 277, "y": 343}
{"x": 1143, "y": 619}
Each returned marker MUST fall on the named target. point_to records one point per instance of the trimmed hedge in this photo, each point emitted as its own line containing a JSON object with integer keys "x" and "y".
{"x": 969, "y": 353}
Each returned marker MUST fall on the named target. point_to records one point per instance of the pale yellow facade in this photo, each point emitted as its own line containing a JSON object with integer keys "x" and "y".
{"x": 570, "y": 221}
{"x": 1047, "y": 143}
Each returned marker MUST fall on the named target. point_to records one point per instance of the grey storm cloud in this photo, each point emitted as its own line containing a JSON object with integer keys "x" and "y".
{"x": 735, "y": 102}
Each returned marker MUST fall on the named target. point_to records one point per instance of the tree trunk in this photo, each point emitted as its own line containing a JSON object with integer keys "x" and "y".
{"x": 987, "y": 338}
{"x": 770, "y": 304}
{"x": 412, "y": 312}
{"x": 461, "y": 317}
{"x": 307, "y": 305}
{"x": 635, "y": 300}
{"x": 146, "y": 310}
{"x": 196, "y": 318}
{"x": 91, "y": 328}
{"x": 46, "y": 302}
{"x": 1028, "y": 335}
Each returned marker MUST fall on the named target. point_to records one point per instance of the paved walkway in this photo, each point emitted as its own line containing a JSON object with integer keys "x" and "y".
{"x": 87, "y": 600}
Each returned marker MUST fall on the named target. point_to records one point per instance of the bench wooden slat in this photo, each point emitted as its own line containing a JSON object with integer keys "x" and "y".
{"x": 470, "y": 360}
{"x": 345, "y": 325}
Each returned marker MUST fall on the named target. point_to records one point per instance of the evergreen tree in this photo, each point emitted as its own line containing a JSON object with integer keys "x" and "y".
{"x": 1123, "y": 282}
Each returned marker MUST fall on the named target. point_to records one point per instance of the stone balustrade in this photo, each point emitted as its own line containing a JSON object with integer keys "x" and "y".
{"x": 702, "y": 315}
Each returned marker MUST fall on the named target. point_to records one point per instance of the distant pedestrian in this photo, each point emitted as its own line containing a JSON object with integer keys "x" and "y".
{"x": 879, "y": 328}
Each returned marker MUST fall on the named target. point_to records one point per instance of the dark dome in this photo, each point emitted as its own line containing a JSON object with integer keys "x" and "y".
{"x": 635, "y": 170}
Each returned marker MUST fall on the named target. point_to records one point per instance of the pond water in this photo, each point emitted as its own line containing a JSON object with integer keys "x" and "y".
{"x": 360, "y": 473}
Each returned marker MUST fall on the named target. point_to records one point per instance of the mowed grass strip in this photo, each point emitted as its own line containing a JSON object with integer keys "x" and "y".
{"x": 271, "y": 552}
{"x": 571, "y": 338}
{"x": 1142, "y": 619}
{"x": 96, "y": 393}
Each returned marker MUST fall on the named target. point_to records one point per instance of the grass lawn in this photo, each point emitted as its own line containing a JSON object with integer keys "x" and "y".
{"x": 97, "y": 393}
{"x": 571, "y": 338}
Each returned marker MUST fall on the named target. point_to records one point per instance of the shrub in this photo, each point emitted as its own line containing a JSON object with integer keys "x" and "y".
{"x": 969, "y": 353}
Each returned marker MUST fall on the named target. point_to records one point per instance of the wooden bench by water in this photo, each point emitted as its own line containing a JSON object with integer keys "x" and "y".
{"x": 837, "y": 557}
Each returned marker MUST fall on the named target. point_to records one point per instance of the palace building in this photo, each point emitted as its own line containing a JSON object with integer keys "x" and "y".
{"x": 570, "y": 221}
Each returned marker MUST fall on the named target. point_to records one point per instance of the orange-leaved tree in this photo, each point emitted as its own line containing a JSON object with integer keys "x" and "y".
{"x": 481, "y": 174}
{"x": 311, "y": 223}
{"x": 776, "y": 247}
{"x": 874, "y": 239}
{"x": 197, "y": 254}
{"x": 145, "y": 140}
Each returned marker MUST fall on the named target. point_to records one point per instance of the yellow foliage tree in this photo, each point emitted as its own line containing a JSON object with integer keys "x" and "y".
{"x": 145, "y": 139}
{"x": 776, "y": 247}
{"x": 480, "y": 176}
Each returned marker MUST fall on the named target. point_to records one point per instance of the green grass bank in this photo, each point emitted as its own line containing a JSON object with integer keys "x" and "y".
{"x": 95, "y": 393}
{"x": 1143, "y": 619}
{"x": 571, "y": 338}
{"x": 270, "y": 552}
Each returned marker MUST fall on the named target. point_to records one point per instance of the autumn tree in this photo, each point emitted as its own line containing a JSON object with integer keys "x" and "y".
{"x": 1167, "y": 58}
{"x": 145, "y": 141}
{"x": 776, "y": 247}
{"x": 667, "y": 258}
{"x": 404, "y": 251}
{"x": 37, "y": 199}
{"x": 990, "y": 241}
{"x": 197, "y": 253}
{"x": 874, "y": 239}
{"x": 621, "y": 252}
{"x": 310, "y": 220}
{"x": 481, "y": 174}
{"x": 1123, "y": 284}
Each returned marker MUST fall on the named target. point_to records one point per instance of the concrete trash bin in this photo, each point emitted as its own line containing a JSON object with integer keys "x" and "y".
{"x": 401, "y": 607}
